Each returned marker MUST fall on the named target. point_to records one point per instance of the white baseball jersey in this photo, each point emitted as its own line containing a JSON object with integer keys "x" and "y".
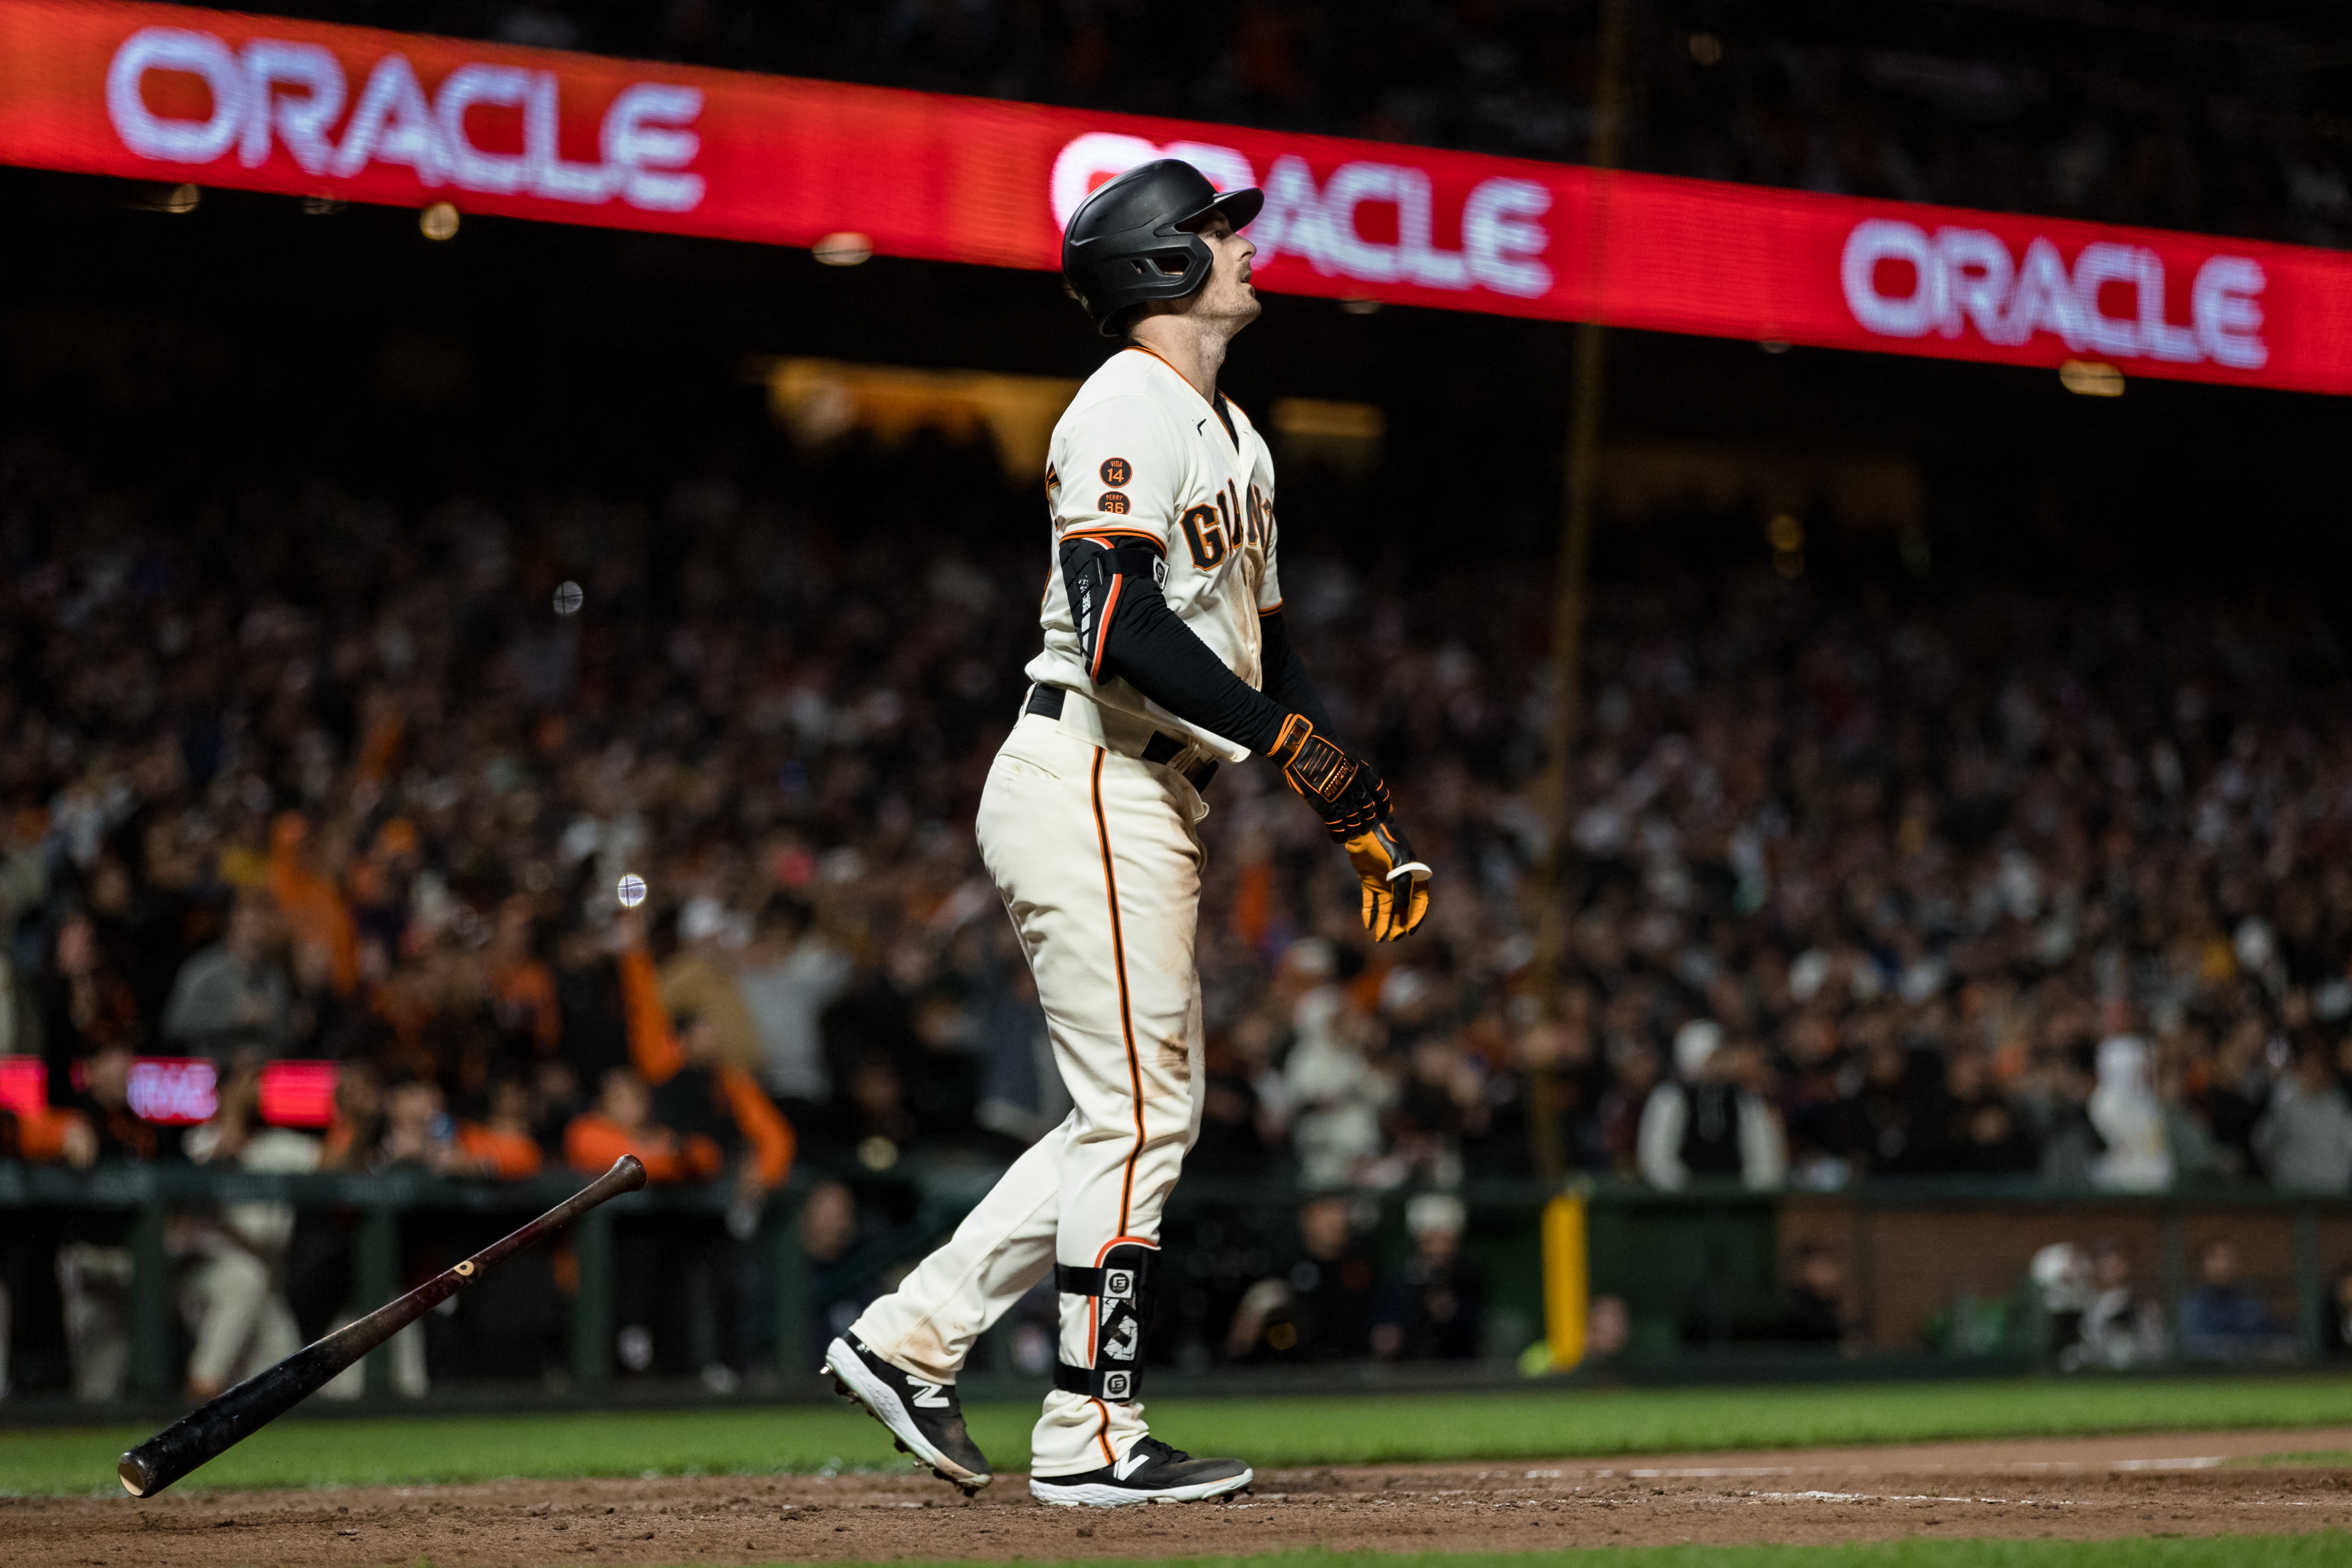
{"x": 1141, "y": 452}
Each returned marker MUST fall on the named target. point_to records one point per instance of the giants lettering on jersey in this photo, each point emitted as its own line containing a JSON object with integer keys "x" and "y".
{"x": 1207, "y": 528}
{"x": 1141, "y": 462}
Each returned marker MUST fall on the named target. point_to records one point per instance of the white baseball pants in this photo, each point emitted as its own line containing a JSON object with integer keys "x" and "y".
{"x": 1099, "y": 859}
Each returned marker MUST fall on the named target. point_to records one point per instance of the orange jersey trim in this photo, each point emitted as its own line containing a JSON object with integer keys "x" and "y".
{"x": 1102, "y": 1433}
{"x": 1102, "y": 630}
{"x": 1111, "y": 533}
{"x": 1163, "y": 359}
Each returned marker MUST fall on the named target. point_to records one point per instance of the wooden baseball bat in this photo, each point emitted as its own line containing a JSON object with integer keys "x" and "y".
{"x": 232, "y": 1416}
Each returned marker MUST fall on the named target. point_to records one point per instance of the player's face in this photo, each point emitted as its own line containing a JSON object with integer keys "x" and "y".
{"x": 1229, "y": 295}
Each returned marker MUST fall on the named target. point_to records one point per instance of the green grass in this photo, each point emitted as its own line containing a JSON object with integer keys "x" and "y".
{"x": 2298, "y": 1460}
{"x": 1538, "y": 1423}
{"x": 2327, "y": 1547}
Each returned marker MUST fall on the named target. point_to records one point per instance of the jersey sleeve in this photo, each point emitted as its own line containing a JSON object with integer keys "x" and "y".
{"x": 1115, "y": 472}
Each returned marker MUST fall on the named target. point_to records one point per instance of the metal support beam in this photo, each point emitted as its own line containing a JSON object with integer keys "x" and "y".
{"x": 2176, "y": 1275}
{"x": 150, "y": 1307}
{"x": 375, "y": 1279}
{"x": 1580, "y": 484}
{"x": 793, "y": 1365}
{"x": 2311, "y": 1307}
{"x": 591, "y": 1302}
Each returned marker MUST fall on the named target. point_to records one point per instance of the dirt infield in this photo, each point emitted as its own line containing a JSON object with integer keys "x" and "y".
{"x": 2084, "y": 1489}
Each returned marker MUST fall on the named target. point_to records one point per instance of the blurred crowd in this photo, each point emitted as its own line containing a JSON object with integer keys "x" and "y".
{"x": 576, "y": 823}
{"x": 2231, "y": 122}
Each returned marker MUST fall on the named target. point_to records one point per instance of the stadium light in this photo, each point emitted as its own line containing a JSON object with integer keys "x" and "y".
{"x": 1347, "y": 435}
{"x": 1786, "y": 537}
{"x": 1343, "y": 421}
{"x": 843, "y": 250}
{"x": 182, "y": 198}
{"x": 2091, "y": 378}
{"x": 820, "y": 401}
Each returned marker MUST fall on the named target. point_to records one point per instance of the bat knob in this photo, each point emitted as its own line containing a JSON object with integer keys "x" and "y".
{"x": 133, "y": 1473}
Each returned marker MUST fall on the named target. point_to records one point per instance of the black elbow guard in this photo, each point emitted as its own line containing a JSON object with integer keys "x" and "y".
{"x": 1098, "y": 576}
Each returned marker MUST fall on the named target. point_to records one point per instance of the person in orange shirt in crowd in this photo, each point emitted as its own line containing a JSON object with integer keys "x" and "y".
{"x": 45, "y": 1135}
{"x": 316, "y": 915}
{"x": 679, "y": 1109}
{"x": 417, "y": 1129}
{"x": 377, "y": 889}
{"x": 687, "y": 1114}
{"x": 522, "y": 989}
{"x": 623, "y": 1123}
{"x": 502, "y": 1146}
{"x": 695, "y": 1092}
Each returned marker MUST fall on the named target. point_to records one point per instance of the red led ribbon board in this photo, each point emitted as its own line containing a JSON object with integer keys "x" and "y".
{"x": 23, "y": 1085}
{"x": 297, "y": 1093}
{"x": 213, "y": 98}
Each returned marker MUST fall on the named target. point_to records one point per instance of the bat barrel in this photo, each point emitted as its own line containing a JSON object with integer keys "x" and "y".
{"x": 236, "y": 1415}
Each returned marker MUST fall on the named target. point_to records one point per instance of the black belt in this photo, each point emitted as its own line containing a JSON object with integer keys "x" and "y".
{"x": 1161, "y": 748}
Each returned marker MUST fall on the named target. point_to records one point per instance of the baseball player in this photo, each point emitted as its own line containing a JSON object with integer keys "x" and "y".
{"x": 1165, "y": 653}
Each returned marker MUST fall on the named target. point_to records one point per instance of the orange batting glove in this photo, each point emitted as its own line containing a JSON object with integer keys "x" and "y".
{"x": 1396, "y": 883}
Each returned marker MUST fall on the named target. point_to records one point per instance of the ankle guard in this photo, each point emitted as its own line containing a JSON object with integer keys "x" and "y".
{"x": 1119, "y": 1292}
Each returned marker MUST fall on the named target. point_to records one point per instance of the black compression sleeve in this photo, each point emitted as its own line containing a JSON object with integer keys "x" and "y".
{"x": 1152, "y": 649}
{"x": 1286, "y": 681}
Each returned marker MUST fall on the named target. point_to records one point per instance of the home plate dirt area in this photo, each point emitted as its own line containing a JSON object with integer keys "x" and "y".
{"x": 2078, "y": 1488}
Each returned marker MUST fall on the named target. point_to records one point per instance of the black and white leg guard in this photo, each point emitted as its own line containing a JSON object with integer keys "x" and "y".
{"x": 1118, "y": 1292}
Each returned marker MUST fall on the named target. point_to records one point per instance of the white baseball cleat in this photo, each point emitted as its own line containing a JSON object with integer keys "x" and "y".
{"x": 1150, "y": 1471}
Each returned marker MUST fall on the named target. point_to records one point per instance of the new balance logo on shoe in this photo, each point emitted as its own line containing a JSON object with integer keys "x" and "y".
{"x": 923, "y": 1417}
{"x": 1135, "y": 1460}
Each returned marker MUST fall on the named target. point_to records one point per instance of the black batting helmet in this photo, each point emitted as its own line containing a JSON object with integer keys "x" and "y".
{"x": 1131, "y": 241}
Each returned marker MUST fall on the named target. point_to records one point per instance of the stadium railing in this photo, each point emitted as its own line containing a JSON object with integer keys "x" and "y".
{"x": 1937, "y": 1273}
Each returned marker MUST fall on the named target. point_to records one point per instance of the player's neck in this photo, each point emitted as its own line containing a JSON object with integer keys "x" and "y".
{"x": 1194, "y": 348}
